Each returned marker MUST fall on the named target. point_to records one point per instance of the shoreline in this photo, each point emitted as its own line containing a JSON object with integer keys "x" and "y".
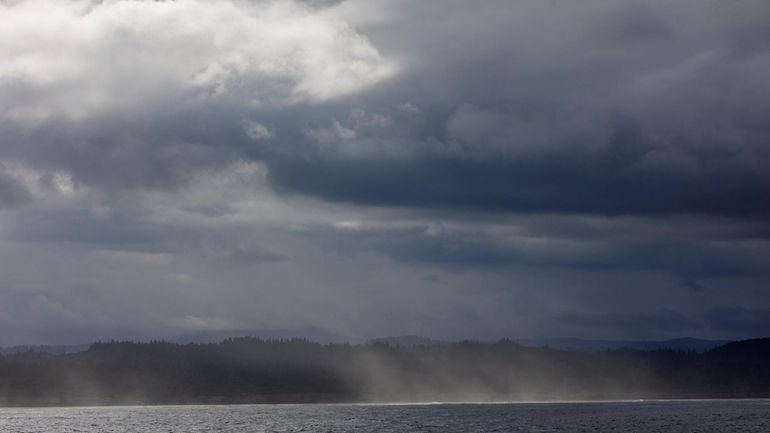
{"x": 399, "y": 403}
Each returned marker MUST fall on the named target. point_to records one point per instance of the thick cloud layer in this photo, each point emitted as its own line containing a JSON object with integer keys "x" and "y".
{"x": 144, "y": 94}
{"x": 596, "y": 108}
{"x": 370, "y": 167}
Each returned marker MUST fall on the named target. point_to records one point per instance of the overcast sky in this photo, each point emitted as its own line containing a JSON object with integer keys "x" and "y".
{"x": 446, "y": 168}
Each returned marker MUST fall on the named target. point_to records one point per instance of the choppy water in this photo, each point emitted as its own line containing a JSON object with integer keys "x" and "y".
{"x": 663, "y": 417}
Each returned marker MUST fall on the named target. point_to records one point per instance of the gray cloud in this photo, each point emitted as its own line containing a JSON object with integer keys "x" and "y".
{"x": 623, "y": 111}
{"x": 531, "y": 111}
{"x": 739, "y": 321}
{"x": 371, "y": 167}
{"x": 640, "y": 325}
{"x": 12, "y": 192}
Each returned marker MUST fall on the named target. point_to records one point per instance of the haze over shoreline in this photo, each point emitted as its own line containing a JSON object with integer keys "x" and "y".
{"x": 248, "y": 370}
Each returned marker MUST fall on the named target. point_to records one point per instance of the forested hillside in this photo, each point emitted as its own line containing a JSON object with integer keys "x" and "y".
{"x": 247, "y": 370}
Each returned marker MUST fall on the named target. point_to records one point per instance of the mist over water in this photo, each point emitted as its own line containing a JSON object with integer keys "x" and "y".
{"x": 751, "y": 416}
{"x": 248, "y": 371}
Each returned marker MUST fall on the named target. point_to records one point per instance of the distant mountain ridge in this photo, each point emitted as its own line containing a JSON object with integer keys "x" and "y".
{"x": 573, "y": 344}
{"x": 581, "y": 345}
{"x": 323, "y": 337}
{"x": 408, "y": 341}
{"x": 313, "y": 334}
{"x": 42, "y": 348}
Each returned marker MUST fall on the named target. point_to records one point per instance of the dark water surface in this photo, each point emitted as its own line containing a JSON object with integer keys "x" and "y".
{"x": 654, "y": 416}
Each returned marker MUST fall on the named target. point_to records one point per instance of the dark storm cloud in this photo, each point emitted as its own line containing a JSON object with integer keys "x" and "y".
{"x": 591, "y": 184}
{"x": 634, "y": 107}
{"x": 625, "y": 108}
{"x": 116, "y": 153}
{"x": 689, "y": 260}
{"x": 378, "y": 166}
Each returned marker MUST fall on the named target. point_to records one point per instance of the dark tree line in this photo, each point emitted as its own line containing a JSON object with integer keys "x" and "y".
{"x": 247, "y": 370}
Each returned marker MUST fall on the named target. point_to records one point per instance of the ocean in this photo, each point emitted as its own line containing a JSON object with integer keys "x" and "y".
{"x": 700, "y": 416}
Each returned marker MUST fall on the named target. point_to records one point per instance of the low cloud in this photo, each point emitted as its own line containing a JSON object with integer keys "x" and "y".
{"x": 12, "y": 191}
{"x": 637, "y": 325}
{"x": 739, "y": 321}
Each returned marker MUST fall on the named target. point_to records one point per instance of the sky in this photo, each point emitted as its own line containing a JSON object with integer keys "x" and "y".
{"x": 364, "y": 168}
